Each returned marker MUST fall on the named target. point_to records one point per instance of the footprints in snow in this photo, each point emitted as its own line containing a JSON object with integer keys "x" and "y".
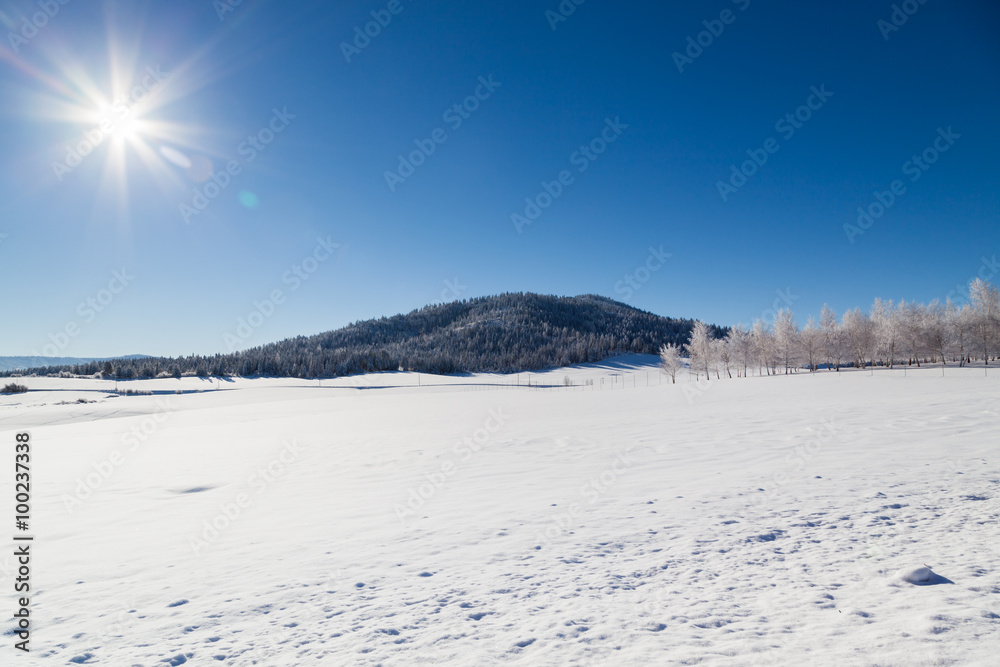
{"x": 766, "y": 537}
{"x": 825, "y": 601}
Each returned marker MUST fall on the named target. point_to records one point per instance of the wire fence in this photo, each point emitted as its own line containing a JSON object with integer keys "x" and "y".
{"x": 612, "y": 382}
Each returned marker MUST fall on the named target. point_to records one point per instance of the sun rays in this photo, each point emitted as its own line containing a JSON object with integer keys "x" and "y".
{"x": 117, "y": 117}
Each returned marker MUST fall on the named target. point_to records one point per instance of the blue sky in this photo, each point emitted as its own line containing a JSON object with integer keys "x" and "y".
{"x": 334, "y": 124}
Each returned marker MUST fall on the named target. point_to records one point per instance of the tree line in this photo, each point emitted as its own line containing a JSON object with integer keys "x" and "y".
{"x": 888, "y": 334}
{"x": 507, "y": 333}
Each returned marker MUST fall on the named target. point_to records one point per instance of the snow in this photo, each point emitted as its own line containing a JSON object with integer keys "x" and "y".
{"x": 921, "y": 576}
{"x": 768, "y": 520}
{"x": 916, "y": 575}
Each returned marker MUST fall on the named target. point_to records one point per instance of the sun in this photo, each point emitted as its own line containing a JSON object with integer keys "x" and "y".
{"x": 127, "y": 123}
{"x": 128, "y": 129}
{"x": 119, "y": 122}
{"x": 111, "y": 118}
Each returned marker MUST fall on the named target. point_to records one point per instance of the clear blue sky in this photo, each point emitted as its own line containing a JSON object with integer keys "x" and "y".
{"x": 323, "y": 174}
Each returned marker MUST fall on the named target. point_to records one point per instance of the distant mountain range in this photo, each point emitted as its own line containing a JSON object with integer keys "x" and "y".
{"x": 505, "y": 333}
{"x": 22, "y": 363}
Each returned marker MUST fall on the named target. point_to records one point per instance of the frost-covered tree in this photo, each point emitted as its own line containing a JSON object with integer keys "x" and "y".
{"x": 811, "y": 344}
{"x": 723, "y": 355}
{"x": 860, "y": 336}
{"x": 764, "y": 347}
{"x": 786, "y": 338}
{"x": 833, "y": 339}
{"x": 699, "y": 350}
{"x": 886, "y": 329}
{"x": 985, "y": 302}
{"x": 960, "y": 327}
{"x": 913, "y": 324}
{"x": 936, "y": 334}
{"x": 738, "y": 342}
{"x": 671, "y": 361}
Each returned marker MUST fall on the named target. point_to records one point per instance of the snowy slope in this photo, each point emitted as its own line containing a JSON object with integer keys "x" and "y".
{"x": 750, "y": 521}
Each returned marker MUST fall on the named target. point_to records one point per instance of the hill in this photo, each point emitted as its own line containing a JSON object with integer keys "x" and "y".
{"x": 22, "y": 363}
{"x": 505, "y": 333}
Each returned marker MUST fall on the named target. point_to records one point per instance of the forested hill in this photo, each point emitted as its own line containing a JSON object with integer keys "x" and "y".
{"x": 505, "y": 333}
{"x": 17, "y": 363}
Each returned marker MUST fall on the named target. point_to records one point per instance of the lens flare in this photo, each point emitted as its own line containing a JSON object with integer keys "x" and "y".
{"x": 248, "y": 199}
{"x": 175, "y": 156}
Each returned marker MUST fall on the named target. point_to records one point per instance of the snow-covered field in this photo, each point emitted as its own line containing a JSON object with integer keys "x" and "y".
{"x": 745, "y": 521}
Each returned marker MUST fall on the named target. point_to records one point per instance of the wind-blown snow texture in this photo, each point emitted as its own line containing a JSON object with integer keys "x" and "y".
{"x": 752, "y": 521}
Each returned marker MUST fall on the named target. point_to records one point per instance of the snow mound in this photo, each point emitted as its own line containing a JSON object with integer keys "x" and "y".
{"x": 921, "y": 576}
{"x": 916, "y": 575}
